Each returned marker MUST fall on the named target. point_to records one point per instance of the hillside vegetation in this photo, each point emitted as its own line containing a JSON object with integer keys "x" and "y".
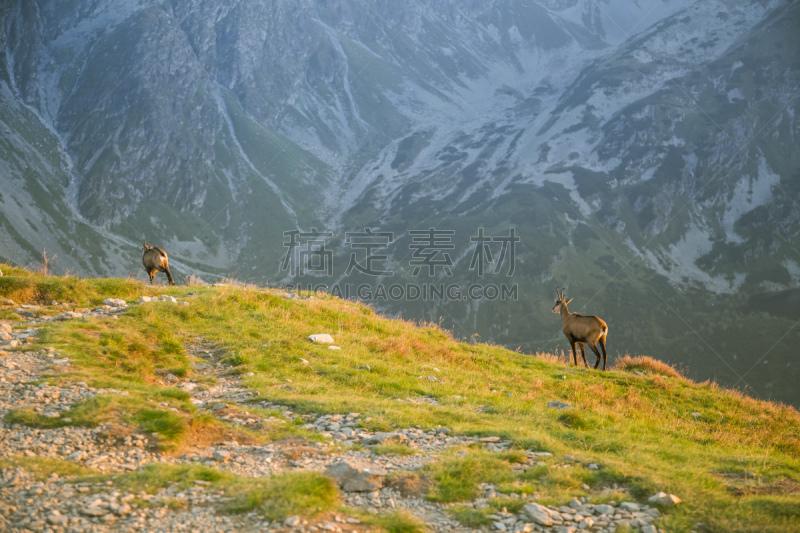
{"x": 733, "y": 460}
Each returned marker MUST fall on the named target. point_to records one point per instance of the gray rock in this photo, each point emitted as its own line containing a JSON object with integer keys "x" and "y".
{"x": 649, "y": 529}
{"x": 291, "y": 521}
{"x": 537, "y": 513}
{"x": 604, "y": 509}
{"x": 353, "y": 477}
{"x": 57, "y": 519}
{"x": 384, "y": 438}
{"x": 664, "y": 499}
{"x": 558, "y": 405}
{"x": 323, "y": 338}
{"x": 630, "y": 507}
{"x": 93, "y": 509}
{"x": 115, "y": 302}
{"x": 221, "y": 455}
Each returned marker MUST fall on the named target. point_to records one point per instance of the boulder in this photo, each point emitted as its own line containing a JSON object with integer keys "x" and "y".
{"x": 558, "y": 405}
{"x": 352, "y": 477}
{"x": 115, "y": 302}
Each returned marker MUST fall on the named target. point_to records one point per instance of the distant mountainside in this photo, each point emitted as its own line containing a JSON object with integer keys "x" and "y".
{"x": 644, "y": 153}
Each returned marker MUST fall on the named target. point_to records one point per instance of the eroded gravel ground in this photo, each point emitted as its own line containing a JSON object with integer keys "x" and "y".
{"x": 60, "y": 505}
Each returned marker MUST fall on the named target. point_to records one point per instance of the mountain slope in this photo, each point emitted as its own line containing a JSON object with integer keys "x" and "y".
{"x": 224, "y": 386}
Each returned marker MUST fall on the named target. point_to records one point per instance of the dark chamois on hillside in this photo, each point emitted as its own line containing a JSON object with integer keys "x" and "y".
{"x": 155, "y": 260}
{"x": 582, "y": 330}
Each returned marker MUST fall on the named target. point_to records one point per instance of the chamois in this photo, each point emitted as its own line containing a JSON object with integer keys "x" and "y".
{"x": 582, "y": 330}
{"x": 155, "y": 260}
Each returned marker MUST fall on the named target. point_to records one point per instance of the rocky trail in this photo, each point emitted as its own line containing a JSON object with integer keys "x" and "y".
{"x": 370, "y": 482}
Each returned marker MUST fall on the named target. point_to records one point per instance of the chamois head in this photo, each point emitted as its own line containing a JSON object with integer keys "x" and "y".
{"x": 560, "y": 300}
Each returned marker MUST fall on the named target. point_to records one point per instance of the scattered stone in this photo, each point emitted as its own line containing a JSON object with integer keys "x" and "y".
{"x": 538, "y": 513}
{"x": 664, "y": 499}
{"x": 631, "y": 507}
{"x": 93, "y": 509}
{"x": 334, "y": 348}
{"x": 604, "y": 509}
{"x": 56, "y": 518}
{"x": 383, "y": 438}
{"x": 323, "y": 338}
{"x": 221, "y": 455}
{"x": 355, "y": 477}
{"x": 558, "y": 405}
{"x": 115, "y": 302}
{"x": 291, "y": 521}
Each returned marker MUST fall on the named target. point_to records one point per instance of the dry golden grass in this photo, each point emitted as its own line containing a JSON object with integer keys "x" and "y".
{"x": 644, "y": 363}
{"x": 557, "y": 357}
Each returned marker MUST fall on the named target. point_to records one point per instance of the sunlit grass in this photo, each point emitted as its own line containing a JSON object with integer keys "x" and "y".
{"x": 651, "y": 432}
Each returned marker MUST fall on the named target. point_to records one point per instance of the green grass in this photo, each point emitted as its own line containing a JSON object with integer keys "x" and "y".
{"x": 457, "y": 479}
{"x": 399, "y": 522}
{"x": 648, "y": 432}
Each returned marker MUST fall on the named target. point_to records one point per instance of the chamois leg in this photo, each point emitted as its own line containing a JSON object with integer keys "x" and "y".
{"x": 574, "y": 353}
{"x": 583, "y": 354}
{"x": 594, "y": 349}
{"x": 169, "y": 275}
{"x": 152, "y": 274}
{"x": 602, "y": 342}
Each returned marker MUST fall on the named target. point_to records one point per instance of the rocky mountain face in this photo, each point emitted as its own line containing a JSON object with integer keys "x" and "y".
{"x": 643, "y": 152}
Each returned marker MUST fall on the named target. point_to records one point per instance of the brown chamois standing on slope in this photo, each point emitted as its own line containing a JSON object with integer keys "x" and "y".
{"x": 582, "y": 330}
{"x": 155, "y": 260}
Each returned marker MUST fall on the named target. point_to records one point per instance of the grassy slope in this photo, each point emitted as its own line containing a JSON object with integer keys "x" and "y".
{"x": 648, "y": 432}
